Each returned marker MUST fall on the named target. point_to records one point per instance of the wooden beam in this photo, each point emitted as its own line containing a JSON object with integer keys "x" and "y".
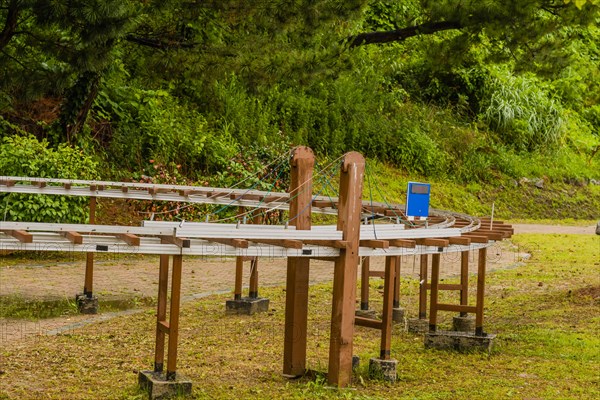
{"x": 345, "y": 271}
{"x": 338, "y": 244}
{"x": 388, "y": 303}
{"x": 287, "y": 243}
{"x": 446, "y": 286}
{"x": 409, "y": 244}
{"x": 433, "y": 242}
{"x": 179, "y": 242}
{"x": 130, "y": 239}
{"x": 456, "y": 308}
{"x": 73, "y": 237}
{"x": 476, "y": 238}
{"x": 21, "y": 236}
{"x": 460, "y": 240}
{"x": 163, "y": 326}
{"x": 238, "y": 243}
{"x": 7, "y": 182}
{"x": 375, "y": 244}
{"x": 367, "y": 322}
{"x": 377, "y": 274}
{"x": 156, "y": 190}
{"x": 297, "y": 279}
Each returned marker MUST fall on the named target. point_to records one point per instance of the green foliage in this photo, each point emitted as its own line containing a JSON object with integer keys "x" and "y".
{"x": 26, "y": 156}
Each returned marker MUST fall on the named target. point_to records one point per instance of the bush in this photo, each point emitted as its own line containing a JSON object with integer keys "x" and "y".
{"x": 26, "y": 156}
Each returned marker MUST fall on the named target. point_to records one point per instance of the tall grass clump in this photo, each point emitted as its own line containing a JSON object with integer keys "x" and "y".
{"x": 522, "y": 112}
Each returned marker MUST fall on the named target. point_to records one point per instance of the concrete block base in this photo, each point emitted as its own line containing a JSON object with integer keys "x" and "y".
{"x": 247, "y": 305}
{"x": 85, "y": 304}
{"x": 463, "y": 324}
{"x": 398, "y": 315}
{"x": 158, "y": 387}
{"x": 383, "y": 369}
{"x": 355, "y": 362}
{"x": 366, "y": 313}
{"x": 417, "y": 325}
{"x": 459, "y": 341}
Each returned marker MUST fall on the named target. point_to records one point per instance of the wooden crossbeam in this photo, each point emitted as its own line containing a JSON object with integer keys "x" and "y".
{"x": 367, "y": 322}
{"x": 375, "y": 244}
{"x": 445, "y": 286}
{"x": 21, "y": 236}
{"x": 130, "y": 239}
{"x": 7, "y": 182}
{"x": 460, "y": 240}
{"x": 323, "y": 203}
{"x": 433, "y": 242}
{"x": 456, "y": 308}
{"x": 238, "y": 243}
{"x": 189, "y": 192}
{"x": 67, "y": 186}
{"x": 155, "y": 190}
{"x": 179, "y": 242}
{"x": 338, "y": 244}
{"x": 409, "y": 244}
{"x": 475, "y": 238}
{"x": 287, "y": 243}
{"x": 73, "y": 237}
{"x": 163, "y": 326}
{"x": 377, "y": 274}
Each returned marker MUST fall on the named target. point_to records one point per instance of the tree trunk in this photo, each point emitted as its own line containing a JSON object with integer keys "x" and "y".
{"x": 78, "y": 103}
{"x": 402, "y": 34}
{"x": 12, "y": 17}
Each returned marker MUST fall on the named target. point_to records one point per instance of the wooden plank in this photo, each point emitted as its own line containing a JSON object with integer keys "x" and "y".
{"x": 377, "y": 274}
{"x": 375, "y": 244}
{"x": 7, "y": 182}
{"x": 345, "y": 271}
{"x": 253, "y": 285}
{"x": 156, "y": 190}
{"x": 130, "y": 239}
{"x": 464, "y": 280}
{"x": 397, "y": 282}
{"x": 338, "y": 244}
{"x": 238, "y": 243}
{"x": 67, "y": 186}
{"x": 318, "y": 258}
{"x": 405, "y": 243}
{"x": 74, "y": 237}
{"x": 323, "y": 203}
{"x": 177, "y": 241}
{"x": 460, "y": 240}
{"x": 422, "y": 286}
{"x": 446, "y": 286}
{"x": 297, "y": 279}
{"x": 433, "y": 242}
{"x": 476, "y": 238}
{"x": 367, "y": 322}
{"x": 88, "y": 280}
{"x": 163, "y": 326}
{"x": 456, "y": 308}
{"x": 21, "y": 236}
{"x": 287, "y": 243}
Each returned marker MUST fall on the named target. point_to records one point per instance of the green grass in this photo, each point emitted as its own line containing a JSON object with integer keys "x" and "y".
{"x": 546, "y": 314}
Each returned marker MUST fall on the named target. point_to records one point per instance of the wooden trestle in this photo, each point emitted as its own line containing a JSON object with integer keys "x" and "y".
{"x": 344, "y": 244}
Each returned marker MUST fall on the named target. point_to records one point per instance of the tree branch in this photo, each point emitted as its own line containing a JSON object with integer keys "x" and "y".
{"x": 159, "y": 44}
{"x": 12, "y": 17}
{"x": 402, "y": 34}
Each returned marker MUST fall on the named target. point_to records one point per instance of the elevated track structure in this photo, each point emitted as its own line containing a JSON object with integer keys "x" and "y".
{"x": 364, "y": 229}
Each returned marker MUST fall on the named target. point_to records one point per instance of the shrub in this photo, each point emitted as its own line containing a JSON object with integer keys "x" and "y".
{"x": 26, "y": 156}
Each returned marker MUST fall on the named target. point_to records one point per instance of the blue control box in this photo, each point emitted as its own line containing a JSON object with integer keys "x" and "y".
{"x": 417, "y": 199}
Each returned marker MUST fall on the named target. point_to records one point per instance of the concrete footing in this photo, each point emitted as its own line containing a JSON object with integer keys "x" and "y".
{"x": 158, "y": 387}
{"x": 463, "y": 324}
{"x": 398, "y": 315}
{"x": 247, "y": 305}
{"x": 366, "y": 313}
{"x": 383, "y": 369}
{"x": 85, "y": 304}
{"x": 460, "y": 341}
{"x": 355, "y": 362}
{"x": 417, "y": 325}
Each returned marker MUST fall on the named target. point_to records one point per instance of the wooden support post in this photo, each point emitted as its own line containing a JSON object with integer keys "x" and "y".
{"x": 480, "y": 291}
{"x": 239, "y": 271}
{"x": 364, "y": 283}
{"x": 397, "y": 282}
{"x": 423, "y": 287}
{"x": 464, "y": 280}
{"x": 391, "y": 263}
{"x": 345, "y": 270}
{"x": 174, "y": 317}
{"x": 253, "y": 284}
{"x": 296, "y": 297}
{"x": 433, "y": 301}
{"x": 88, "y": 285}
{"x": 161, "y": 312}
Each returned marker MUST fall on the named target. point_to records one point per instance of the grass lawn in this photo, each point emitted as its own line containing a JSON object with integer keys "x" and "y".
{"x": 546, "y": 313}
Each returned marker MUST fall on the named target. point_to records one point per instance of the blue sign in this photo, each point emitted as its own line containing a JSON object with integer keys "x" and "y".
{"x": 417, "y": 199}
